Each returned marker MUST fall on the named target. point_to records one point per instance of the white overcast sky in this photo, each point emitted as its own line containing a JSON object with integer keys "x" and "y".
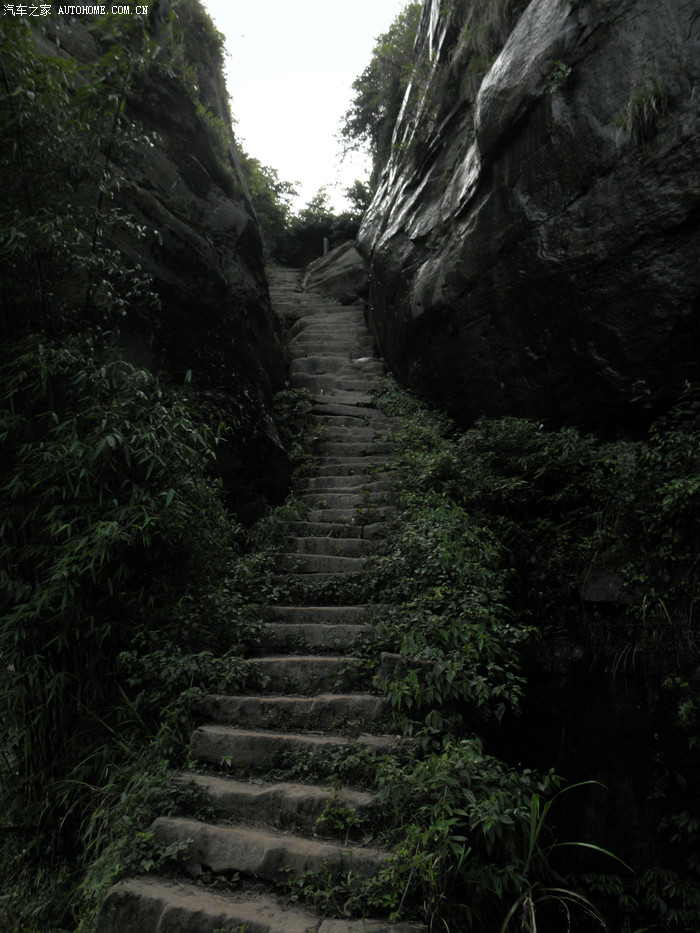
{"x": 290, "y": 66}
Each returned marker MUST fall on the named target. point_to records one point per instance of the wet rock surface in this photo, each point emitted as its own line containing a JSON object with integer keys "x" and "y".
{"x": 537, "y": 253}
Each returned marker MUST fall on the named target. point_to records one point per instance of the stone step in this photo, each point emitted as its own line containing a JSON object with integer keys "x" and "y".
{"x": 315, "y": 331}
{"x": 248, "y": 750}
{"x": 359, "y": 467}
{"x": 325, "y": 711}
{"x": 149, "y": 905}
{"x": 350, "y": 516}
{"x": 342, "y": 397}
{"x": 282, "y": 804}
{"x": 367, "y": 532}
{"x": 329, "y": 547}
{"x": 352, "y": 421}
{"x": 264, "y": 854}
{"x": 282, "y": 636}
{"x": 317, "y": 563}
{"x": 335, "y": 363}
{"x": 329, "y": 317}
{"x": 355, "y": 449}
{"x": 333, "y": 315}
{"x": 329, "y": 406}
{"x": 360, "y": 432}
{"x": 378, "y": 482}
{"x": 346, "y": 500}
{"x": 327, "y": 615}
{"x": 304, "y": 674}
{"x": 322, "y": 530}
{"x": 351, "y": 348}
{"x": 329, "y": 382}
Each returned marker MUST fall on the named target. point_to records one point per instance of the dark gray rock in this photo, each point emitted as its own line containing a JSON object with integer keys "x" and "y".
{"x": 538, "y": 252}
{"x": 194, "y": 233}
{"x": 341, "y": 275}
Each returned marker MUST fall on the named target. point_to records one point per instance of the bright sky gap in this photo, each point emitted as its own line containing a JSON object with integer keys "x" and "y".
{"x": 289, "y": 71}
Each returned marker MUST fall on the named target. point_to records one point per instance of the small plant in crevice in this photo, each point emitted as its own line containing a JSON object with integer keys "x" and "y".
{"x": 644, "y": 109}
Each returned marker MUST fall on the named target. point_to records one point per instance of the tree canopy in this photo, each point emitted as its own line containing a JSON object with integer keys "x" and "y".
{"x": 379, "y": 90}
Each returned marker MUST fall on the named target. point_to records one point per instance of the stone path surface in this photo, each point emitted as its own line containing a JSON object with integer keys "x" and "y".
{"x": 313, "y": 698}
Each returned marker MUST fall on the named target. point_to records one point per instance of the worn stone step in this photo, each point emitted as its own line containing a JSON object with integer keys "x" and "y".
{"x": 342, "y": 397}
{"x": 356, "y": 433}
{"x": 351, "y": 515}
{"x": 366, "y": 467}
{"x": 323, "y": 530}
{"x": 328, "y": 405}
{"x": 323, "y": 319}
{"x": 150, "y": 905}
{"x": 246, "y": 750}
{"x": 325, "y": 711}
{"x": 304, "y": 674}
{"x": 281, "y": 804}
{"x": 268, "y": 855}
{"x": 352, "y": 348}
{"x": 317, "y": 563}
{"x": 329, "y": 547}
{"x": 332, "y": 315}
{"x": 348, "y": 615}
{"x": 283, "y": 636}
{"x": 336, "y": 364}
{"x": 378, "y": 482}
{"x": 351, "y": 421}
{"x": 347, "y": 500}
{"x": 329, "y": 382}
{"x": 342, "y": 336}
{"x": 368, "y": 531}
{"x": 360, "y": 448}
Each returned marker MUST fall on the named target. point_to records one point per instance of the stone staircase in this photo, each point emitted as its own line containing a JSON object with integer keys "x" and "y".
{"x": 313, "y": 699}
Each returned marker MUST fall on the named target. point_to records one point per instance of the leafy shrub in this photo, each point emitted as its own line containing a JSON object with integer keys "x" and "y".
{"x": 499, "y": 529}
{"x": 108, "y": 515}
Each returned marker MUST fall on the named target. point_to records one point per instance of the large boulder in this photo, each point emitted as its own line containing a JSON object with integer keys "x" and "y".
{"x": 534, "y": 248}
{"x": 340, "y": 275}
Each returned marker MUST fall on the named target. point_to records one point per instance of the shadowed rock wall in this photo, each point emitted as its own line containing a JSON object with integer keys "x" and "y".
{"x": 535, "y": 251}
{"x": 199, "y": 242}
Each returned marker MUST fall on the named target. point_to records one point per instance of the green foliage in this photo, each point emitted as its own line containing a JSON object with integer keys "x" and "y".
{"x": 105, "y": 473}
{"x": 500, "y": 529}
{"x": 307, "y": 229}
{"x": 379, "y": 90}
{"x": 272, "y": 200}
{"x": 448, "y": 621}
{"x": 116, "y": 547}
{"x": 646, "y": 105}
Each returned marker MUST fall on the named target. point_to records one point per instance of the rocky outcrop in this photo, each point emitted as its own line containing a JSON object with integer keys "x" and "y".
{"x": 193, "y": 231}
{"x": 341, "y": 275}
{"x": 534, "y": 245}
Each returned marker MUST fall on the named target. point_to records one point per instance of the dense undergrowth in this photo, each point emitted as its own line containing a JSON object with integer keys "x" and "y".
{"x": 504, "y": 532}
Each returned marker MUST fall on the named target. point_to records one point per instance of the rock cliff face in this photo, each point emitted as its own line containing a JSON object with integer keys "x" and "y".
{"x": 194, "y": 233}
{"x": 534, "y": 245}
